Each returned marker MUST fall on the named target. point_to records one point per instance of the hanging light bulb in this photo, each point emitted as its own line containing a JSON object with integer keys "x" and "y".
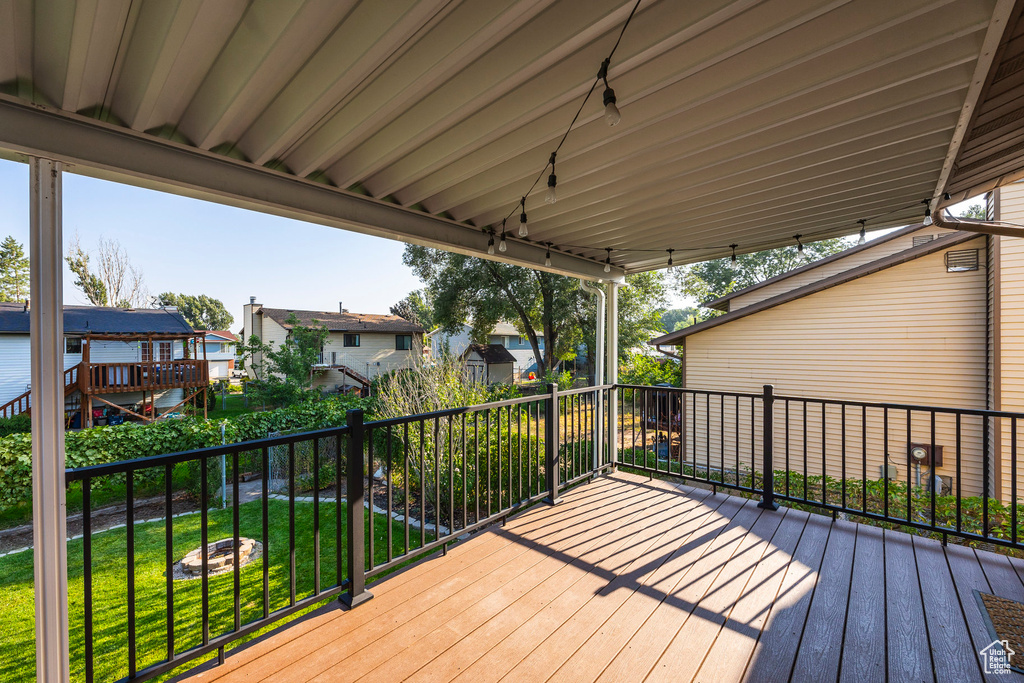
{"x": 611, "y": 112}
{"x": 733, "y": 247}
{"x": 799, "y": 244}
{"x": 670, "y": 257}
{"x": 863, "y": 234}
{"x": 490, "y": 245}
{"x": 551, "y": 196}
{"x": 608, "y": 261}
{"x": 547, "y": 256}
{"x": 523, "y": 229}
{"x": 927, "y": 211}
{"x": 502, "y": 247}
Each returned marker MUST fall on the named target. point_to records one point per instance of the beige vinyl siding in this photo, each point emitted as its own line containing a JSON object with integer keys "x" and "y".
{"x": 375, "y": 355}
{"x": 1010, "y": 343}
{"x": 842, "y": 265}
{"x": 912, "y": 333}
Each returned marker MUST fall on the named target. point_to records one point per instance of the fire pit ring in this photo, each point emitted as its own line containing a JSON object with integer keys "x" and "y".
{"x": 220, "y": 558}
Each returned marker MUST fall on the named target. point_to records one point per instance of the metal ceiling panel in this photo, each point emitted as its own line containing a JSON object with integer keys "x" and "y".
{"x": 743, "y": 121}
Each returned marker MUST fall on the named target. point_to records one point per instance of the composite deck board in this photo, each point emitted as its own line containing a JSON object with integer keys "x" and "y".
{"x": 728, "y": 657}
{"x": 908, "y": 656}
{"x": 952, "y": 651}
{"x": 822, "y": 640}
{"x": 776, "y": 650}
{"x": 629, "y": 579}
{"x": 864, "y": 641}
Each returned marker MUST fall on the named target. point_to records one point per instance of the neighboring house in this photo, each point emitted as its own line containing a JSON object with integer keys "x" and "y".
{"x": 489, "y": 363}
{"x": 359, "y": 346}
{"x": 129, "y": 358}
{"x": 220, "y": 352}
{"x": 920, "y": 316}
{"x": 503, "y": 333}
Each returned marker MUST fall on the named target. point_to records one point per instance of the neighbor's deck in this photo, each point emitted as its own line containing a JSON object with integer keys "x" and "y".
{"x": 630, "y": 580}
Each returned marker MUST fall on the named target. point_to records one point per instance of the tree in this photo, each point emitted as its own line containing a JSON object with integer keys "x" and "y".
{"x": 14, "y": 270}
{"x": 975, "y": 211}
{"x": 416, "y": 308}
{"x": 114, "y": 281}
{"x": 675, "y": 318}
{"x": 711, "y": 280}
{"x": 286, "y": 373}
{"x": 201, "y": 312}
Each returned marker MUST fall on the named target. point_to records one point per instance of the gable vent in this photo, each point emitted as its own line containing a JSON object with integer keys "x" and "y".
{"x": 922, "y": 239}
{"x": 961, "y": 260}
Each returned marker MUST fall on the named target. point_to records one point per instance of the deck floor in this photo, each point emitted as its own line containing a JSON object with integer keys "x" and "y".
{"x": 636, "y": 580}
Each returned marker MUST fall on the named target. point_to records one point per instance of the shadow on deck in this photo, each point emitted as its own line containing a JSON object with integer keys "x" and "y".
{"x": 629, "y": 579}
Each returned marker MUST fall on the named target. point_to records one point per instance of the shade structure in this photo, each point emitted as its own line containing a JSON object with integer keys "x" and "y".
{"x": 743, "y": 122}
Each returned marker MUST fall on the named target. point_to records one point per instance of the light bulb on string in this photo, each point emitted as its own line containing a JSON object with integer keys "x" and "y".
{"x": 502, "y": 247}
{"x": 547, "y": 256}
{"x": 799, "y": 244}
{"x": 670, "y": 257}
{"x": 551, "y": 196}
{"x": 863, "y": 234}
{"x": 523, "y": 229}
{"x": 611, "y": 112}
{"x": 608, "y": 261}
{"x": 927, "y": 211}
{"x": 733, "y": 247}
{"x": 490, "y": 245}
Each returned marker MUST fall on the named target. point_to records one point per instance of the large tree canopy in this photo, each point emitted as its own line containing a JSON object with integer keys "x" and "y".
{"x": 107, "y": 277}
{"x": 709, "y": 280}
{"x": 416, "y": 308}
{"x": 201, "y": 312}
{"x": 465, "y": 288}
{"x": 14, "y": 270}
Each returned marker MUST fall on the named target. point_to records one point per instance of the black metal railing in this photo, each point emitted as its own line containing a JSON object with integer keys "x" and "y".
{"x": 950, "y": 471}
{"x": 324, "y": 512}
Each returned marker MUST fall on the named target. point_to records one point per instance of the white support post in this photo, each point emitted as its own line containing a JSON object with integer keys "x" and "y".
{"x": 612, "y": 319}
{"x": 46, "y": 320}
{"x": 599, "y": 363}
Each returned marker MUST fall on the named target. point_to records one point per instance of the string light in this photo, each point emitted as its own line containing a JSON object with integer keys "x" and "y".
{"x": 608, "y": 261}
{"x": 551, "y": 196}
{"x": 733, "y": 247}
{"x": 547, "y": 256}
{"x": 490, "y": 245}
{"x": 670, "y": 257}
{"x": 927, "y": 211}
{"x": 502, "y": 247}
{"x": 611, "y": 112}
{"x": 523, "y": 230}
{"x": 863, "y": 233}
{"x": 799, "y": 244}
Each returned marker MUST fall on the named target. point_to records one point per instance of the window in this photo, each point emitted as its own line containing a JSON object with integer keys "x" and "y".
{"x": 403, "y": 342}
{"x": 520, "y": 341}
{"x": 961, "y": 260}
{"x": 351, "y": 340}
{"x": 73, "y": 345}
{"x": 212, "y": 348}
{"x": 504, "y": 341}
{"x": 161, "y": 349}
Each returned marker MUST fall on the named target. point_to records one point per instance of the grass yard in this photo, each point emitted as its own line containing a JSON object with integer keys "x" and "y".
{"x": 235, "y": 407}
{"x": 17, "y": 650}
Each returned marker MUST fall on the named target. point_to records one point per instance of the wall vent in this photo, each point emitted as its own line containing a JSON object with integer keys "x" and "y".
{"x": 961, "y": 260}
{"x": 922, "y": 239}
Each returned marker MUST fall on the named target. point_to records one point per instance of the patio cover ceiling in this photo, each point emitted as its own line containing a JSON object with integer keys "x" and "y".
{"x": 742, "y": 122}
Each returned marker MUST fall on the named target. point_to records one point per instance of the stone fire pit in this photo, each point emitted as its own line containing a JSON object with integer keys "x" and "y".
{"x": 221, "y": 558}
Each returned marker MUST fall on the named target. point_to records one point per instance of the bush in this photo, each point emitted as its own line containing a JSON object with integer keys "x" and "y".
{"x": 133, "y": 440}
{"x": 19, "y": 424}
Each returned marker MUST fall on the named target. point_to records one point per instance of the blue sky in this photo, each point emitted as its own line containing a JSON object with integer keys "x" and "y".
{"x": 194, "y": 247}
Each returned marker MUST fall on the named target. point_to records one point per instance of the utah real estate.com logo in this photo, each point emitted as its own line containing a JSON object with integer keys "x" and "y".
{"x": 995, "y": 657}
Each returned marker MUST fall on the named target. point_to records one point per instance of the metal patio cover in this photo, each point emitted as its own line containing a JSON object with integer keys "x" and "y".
{"x": 743, "y": 122}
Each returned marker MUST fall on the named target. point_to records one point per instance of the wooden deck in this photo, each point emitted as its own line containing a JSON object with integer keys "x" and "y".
{"x": 630, "y": 580}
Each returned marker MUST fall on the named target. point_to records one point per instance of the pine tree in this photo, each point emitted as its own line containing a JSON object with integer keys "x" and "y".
{"x": 14, "y": 271}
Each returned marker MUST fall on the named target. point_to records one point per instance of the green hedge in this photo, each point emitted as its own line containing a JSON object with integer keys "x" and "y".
{"x": 133, "y": 440}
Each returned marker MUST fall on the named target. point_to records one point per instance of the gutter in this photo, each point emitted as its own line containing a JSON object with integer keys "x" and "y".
{"x": 668, "y": 353}
{"x": 943, "y": 219}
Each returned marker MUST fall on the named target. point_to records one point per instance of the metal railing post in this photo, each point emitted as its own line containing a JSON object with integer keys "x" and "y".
{"x": 597, "y": 435}
{"x": 551, "y": 435}
{"x": 355, "y": 481}
{"x": 767, "y": 422}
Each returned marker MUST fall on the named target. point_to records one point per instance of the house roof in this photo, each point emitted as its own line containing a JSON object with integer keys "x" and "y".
{"x": 492, "y": 354}
{"x": 896, "y": 259}
{"x": 501, "y": 328}
{"x": 720, "y": 304}
{"x": 223, "y": 334}
{"x": 343, "y": 322}
{"x": 14, "y": 319}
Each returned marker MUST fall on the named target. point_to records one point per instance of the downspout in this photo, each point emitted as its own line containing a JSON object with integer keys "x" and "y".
{"x": 599, "y": 334}
{"x": 667, "y": 353}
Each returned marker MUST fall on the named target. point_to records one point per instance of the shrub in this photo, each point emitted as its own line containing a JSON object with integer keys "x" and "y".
{"x": 19, "y": 424}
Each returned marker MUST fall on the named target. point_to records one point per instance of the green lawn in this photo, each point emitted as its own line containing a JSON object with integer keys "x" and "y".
{"x": 17, "y": 652}
{"x": 235, "y": 407}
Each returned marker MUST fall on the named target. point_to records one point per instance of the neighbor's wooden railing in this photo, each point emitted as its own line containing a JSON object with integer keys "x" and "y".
{"x": 142, "y": 376}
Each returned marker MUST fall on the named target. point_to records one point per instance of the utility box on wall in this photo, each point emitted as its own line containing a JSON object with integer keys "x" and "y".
{"x": 926, "y": 454}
